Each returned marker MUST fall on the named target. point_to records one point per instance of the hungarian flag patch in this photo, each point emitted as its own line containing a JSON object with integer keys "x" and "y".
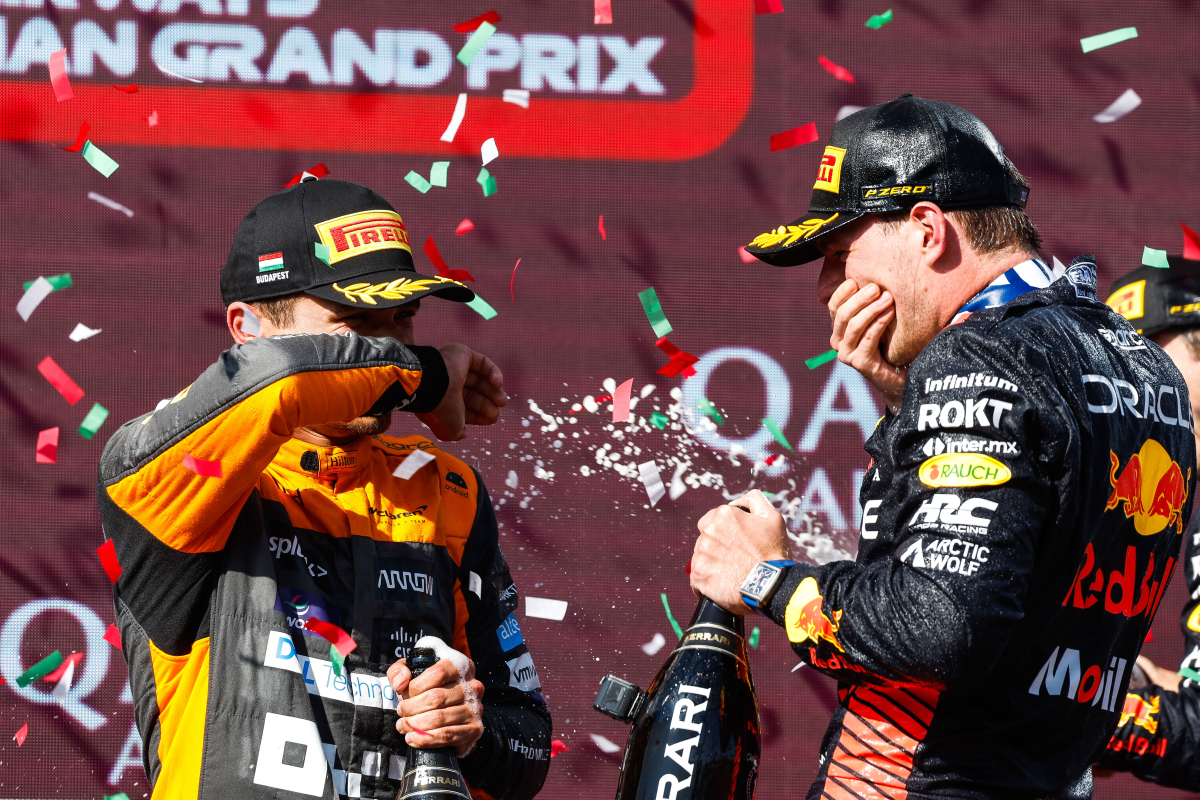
{"x": 270, "y": 262}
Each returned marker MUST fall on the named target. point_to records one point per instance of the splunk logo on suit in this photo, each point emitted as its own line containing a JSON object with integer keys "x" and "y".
{"x": 282, "y": 546}
{"x": 1066, "y": 675}
{"x": 1111, "y": 395}
{"x": 299, "y": 607}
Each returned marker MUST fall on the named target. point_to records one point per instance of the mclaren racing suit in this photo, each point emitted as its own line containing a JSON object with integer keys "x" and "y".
{"x": 1020, "y": 518}
{"x": 233, "y": 696}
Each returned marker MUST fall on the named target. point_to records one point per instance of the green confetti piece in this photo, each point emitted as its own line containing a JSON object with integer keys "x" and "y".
{"x": 879, "y": 20}
{"x": 654, "y": 312}
{"x": 417, "y": 182}
{"x": 1190, "y": 674}
{"x": 338, "y": 660}
{"x": 117, "y": 796}
{"x": 773, "y": 427}
{"x": 670, "y": 617}
{"x": 824, "y": 358}
{"x": 659, "y": 420}
{"x": 482, "y": 307}
{"x": 92, "y": 422}
{"x": 44, "y": 667}
{"x": 477, "y": 40}
{"x": 485, "y": 179}
{"x": 707, "y": 407}
{"x": 438, "y": 173}
{"x": 1154, "y": 258}
{"x": 321, "y": 251}
{"x": 99, "y": 159}
{"x": 1090, "y": 43}
{"x": 754, "y": 634}
{"x": 57, "y": 281}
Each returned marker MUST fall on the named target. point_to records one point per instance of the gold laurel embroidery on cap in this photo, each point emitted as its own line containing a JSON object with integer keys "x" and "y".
{"x": 396, "y": 290}
{"x": 789, "y": 234}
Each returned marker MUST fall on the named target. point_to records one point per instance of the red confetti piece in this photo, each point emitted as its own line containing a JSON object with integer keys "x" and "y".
{"x": 319, "y": 171}
{"x": 841, "y": 73}
{"x": 471, "y": 24}
{"x": 687, "y": 568}
{"x": 512, "y": 280}
{"x": 21, "y": 734}
{"x": 604, "y": 398}
{"x": 202, "y": 467}
{"x": 1149, "y": 637}
{"x": 333, "y": 634}
{"x": 47, "y": 446}
{"x": 603, "y": 235}
{"x": 603, "y": 9}
{"x": 621, "y": 401}
{"x": 769, "y": 460}
{"x": 795, "y": 137}
{"x": 768, "y": 6}
{"x": 113, "y": 636}
{"x": 56, "y": 676}
{"x": 417, "y": 730}
{"x": 466, "y": 226}
{"x": 558, "y": 746}
{"x": 80, "y": 140}
{"x": 60, "y": 380}
{"x": 1191, "y": 243}
{"x": 130, "y": 89}
{"x": 58, "y": 75}
{"x": 688, "y": 371}
{"x": 108, "y": 560}
{"x": 443, "y": 270}
{"x": 679, "y": 359}
{"x": 747, "y": 257}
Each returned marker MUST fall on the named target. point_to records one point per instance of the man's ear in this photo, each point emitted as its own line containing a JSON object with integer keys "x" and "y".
{"x": 243, "y": 323}
{"x": 934, "y": 228}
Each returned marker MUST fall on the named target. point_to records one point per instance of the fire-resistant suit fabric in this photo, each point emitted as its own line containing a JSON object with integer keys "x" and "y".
{"x": 233, "y": 696}
{"x": 1158, "y": 734}
{"x": 1020, "y": 517}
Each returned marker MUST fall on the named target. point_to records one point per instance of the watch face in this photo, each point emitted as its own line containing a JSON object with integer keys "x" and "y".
{"x": 759, "y": 580}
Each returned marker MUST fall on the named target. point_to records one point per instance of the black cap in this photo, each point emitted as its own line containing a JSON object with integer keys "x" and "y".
{"x": 889, "y": 157}
{"x": 331, "y": 239}
{"x": 1154, "y": 299}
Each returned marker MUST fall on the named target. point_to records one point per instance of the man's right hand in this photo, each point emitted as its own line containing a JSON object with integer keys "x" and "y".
{"x": 860, "y": 317}
{"x": 474, "y": 397}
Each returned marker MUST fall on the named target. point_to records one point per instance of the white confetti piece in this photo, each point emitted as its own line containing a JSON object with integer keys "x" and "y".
{"x": 33, "y": 297}
{"x": 475, "y": 584}
{"x": 460, "y": 111}
{"x": 654, "y": 645}
{"x": 513, "y": 481}
{"x": 605, "y": 745}
{"x": 1059, "y": 268}
{"x": 1120, "y": 107}
{"x": 414, "y": 462}
{"x": 165, "y": 71}
{"x": 251, "y": 323}
{"x": 82, "y": 332}
{"x": 798, "y": 666}
{"x": 545, "y": 608}
{"x": 653, "y": 481}
{"x": 489, "y": 151}
{"x": 678, "y": 487}
{"x": 152, "y": 120}
{"x": 519, "y": 97}
{"x": 846, "y": 111}
{"x": 113, "y": 204}
{"x": 64, "y": 683}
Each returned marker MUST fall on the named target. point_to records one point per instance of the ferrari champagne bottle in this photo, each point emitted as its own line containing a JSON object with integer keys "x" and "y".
{"x": 696, "y": 730}
{"x": 430, "y": 774}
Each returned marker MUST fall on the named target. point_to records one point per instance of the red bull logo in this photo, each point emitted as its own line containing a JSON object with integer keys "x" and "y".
{"x": 804, "y": 619}
{"x": 1151, "y": 487}
{"x": 1141, "y": 712}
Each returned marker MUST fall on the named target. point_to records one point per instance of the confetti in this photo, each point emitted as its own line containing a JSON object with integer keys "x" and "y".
{"x": 471, "y": 24}
{"x": 1090, "y": 43}
{"x": 342, "y": 643}
{"x": 512, "y": 281}
{"x": 474, "y": 582}
{"x": 795, "y": 137}
{"x": 113, "y": 636}
{"x": 410, "y": 465}
{"x": 605, "y": 745}
{"x": 418, "y": 730}
{"x": 152, "y": 120}
{"x": 21, "y": 734}
{"x": 1190, "y": 674}
{"x": 68, "y": 662}
{"x": 40, "y": 669}
{"x": 321, "y": 251}
{"x": 671, "y": 617}
{"x": 117, "y": 796}
{"x": 443, "y": 270}
{"x": 35, "y": 293}
{"x": 466, "y": 226}
{"x": 841, "y": 73}
{"x": 481, "y": 307}
{"x": 99, "y": 159}
{"x": 545, "y": 608}
{"x": 47, "y": 447}
{"x": 202, "y": 467}
{"x": 879, "y": 20}
{"x": 460, "y": 111}
{"x": 652, "y": 480}
{"x": 679, "y": 359}
{"x": 1191, "y": 243}
{"x": 654, "y": 312}
{"x": 798, "y": 666}
{"x": 518, "y": 97}
{"x": 113, "y": 204}
{"x": 130, "y": 89}
{"x": 165, "y": 71}
{"x": 1120, "y": 107}
{"x": 92, "y": 422}
{"x": 417, "y": 182}
{"x": 108, "y": 560}
{"x": 485, "y": 180}
{"x": 754, "y": 634}
{"x": 63, "y": 684}
{"x": 603, "y": 235}
{"x": 824, "y": 358}
{"x": 621, "y": 401}
{"x": 439, "y": 172}
{"x": 557, "y": 746}
{"x": 846, "y": 111}
{"x": 1149, "y": 637}
{"x": 603, "y": 12}
{"x": 1154, "y": 258}
{"x": 58, "y": 76}
{"x": 773, "y": 427}
{"x": 57, "y": 281}
{"x": 746, "y": 255}
{"x": 60, "y": 380}
{"x": 654, "y": 645}
{"x": 706, "y": 406}
{"x": 80, "y": 140}
{"x": 768, "y": 6}
{"x": 318, "y": 172}
{"x": 473, "y": 45}
{"x": 488, "y": 151}
{"x": 659, "y": 420}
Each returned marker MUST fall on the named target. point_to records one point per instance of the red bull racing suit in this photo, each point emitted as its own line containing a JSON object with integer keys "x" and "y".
{"x": 233, "y": 696}
{"x": 1021, "y": 516}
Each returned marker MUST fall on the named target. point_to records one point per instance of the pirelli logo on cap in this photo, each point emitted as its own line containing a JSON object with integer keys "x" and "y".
{"x": 1129, "y": 301}
{"x": 355, "y": 234}
{"x": 829, "y": 175}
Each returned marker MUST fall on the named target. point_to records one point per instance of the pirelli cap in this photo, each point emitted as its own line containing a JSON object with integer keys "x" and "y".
{"x": 887, "y": 158}
{"x": 331, "y": 239}
{"x": 1155, "y": 299}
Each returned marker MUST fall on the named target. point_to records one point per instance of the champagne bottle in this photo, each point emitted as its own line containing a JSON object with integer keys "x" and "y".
{"x": 696, "y": 731}
{"x": 432, "y": 773}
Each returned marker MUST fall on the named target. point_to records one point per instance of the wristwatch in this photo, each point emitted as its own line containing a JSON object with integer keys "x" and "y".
{"x": 759, "y": 586}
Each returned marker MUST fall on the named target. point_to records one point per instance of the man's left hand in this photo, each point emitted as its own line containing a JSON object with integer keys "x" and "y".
{"x": 731, "y": 542}
{"x": 442, "y": 703}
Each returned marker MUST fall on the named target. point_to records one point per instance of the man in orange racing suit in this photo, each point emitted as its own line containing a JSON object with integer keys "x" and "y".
{"x": 263, "y": 497}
